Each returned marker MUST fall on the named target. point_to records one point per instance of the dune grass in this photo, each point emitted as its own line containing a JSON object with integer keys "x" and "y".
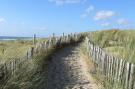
{"x": 120, "y": 43}
{"x": 90, "y": 65}
{"x": 33, "y": 73}
{"x": 12, "y": 49}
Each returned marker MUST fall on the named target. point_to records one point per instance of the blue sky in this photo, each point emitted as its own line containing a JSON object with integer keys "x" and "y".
{"x": 44, "y": 17}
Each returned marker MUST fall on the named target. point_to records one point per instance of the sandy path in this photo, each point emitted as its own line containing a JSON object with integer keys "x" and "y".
{"x": 67, "y": 70}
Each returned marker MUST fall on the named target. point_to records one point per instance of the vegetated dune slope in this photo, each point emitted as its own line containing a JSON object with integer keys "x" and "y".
{"x": 120, "y": 43}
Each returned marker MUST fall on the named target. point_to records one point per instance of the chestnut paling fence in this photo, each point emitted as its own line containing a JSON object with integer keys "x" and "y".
{"x": 8, "y": 69}
{"x": 115, "y": 70}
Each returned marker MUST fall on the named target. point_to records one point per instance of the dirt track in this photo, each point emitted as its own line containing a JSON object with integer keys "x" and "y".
{"x": 67, "y": 70}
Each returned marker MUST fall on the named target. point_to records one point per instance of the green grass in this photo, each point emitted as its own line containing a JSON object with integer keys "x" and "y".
{"x": 32, "y": 74}
{"x": 100, "y": 78}
{"x": 120, "y": 43}
{"x": 13, "y": 49}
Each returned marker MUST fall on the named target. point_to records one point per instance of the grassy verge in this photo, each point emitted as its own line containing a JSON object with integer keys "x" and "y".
{"x": 100, "y": 79}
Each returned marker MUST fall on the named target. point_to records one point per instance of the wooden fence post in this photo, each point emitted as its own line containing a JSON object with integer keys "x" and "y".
{"x": 63, "y": 35}
{"x": 34, "y": 39}
{"x": 131, "y": 78}
{"x": 53, "y": 39}
{"x": 123, "y": 73}
{"x": 127, "y": 75}
{"x": 120, "y": 70}
{"x": 30, "y": 53}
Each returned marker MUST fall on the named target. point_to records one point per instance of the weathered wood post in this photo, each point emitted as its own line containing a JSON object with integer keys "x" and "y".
{"x": 5, "y": 71}
{"x": 3, "y": 51}
{"x": 127, "y": 75}
{"x": 53, "y": 35}
{"x": 50, "y": 42}
{"x": 54, "y": 39}
{"x": 63, "y": 34}
{"x": 34, "y": 39}
{"x": 131, "y": 78}
{"x": 30, "y": 53}
{"x": 27, "y": 54}
{"x": 63, "y": 37}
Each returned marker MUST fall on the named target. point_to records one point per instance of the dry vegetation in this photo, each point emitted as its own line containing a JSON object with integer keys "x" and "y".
{"x": 32, "y": 75}
{"x": 12, "y": 49}
{"x": 120, "y": 43}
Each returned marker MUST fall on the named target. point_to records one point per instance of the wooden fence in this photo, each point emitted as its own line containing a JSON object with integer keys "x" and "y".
{"x": 116, "y": 70}
{"x": 8, "y": 69}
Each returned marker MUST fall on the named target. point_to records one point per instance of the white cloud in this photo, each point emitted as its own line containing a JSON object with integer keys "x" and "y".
{"x": 2, "y": 20}
{"x": 123, "y": 22}
{"x": 87, "y": 11}
{"x": 104, "y": 14}
{"x": 62, "y": 2}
